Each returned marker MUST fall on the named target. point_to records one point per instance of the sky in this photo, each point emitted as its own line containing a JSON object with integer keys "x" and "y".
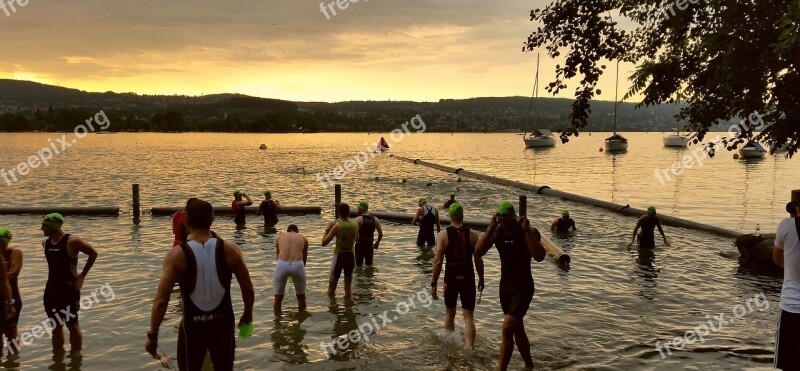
{"x": 422, "y": 50}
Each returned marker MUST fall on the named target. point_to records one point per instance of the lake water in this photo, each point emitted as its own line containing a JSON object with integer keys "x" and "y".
{"x": 607, "y": 312}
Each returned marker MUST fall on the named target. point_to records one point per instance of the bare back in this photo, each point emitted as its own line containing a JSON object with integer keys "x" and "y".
{"x": 291, "y": 246}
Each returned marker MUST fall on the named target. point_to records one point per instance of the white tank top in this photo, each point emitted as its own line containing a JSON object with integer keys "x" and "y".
{"x": 208, "y": 291}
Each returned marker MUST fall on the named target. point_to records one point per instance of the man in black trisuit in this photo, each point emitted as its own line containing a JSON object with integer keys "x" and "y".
{"x": 451, "y": 201}
{"x": 563, "y": 224}
{"x": 456, "y": 245}
{"x": 367, "y": 225}
{"x": 269, "y": 208}
{"x": 427, "y": 216}
{"x": 517, "y": 242}
{"x": 648, "y": 224}
{"x": 207, "y": 325}
{"x": 62, "y": 292}
{"x": 10, "y": 265}
{"x": 238, "y": 207}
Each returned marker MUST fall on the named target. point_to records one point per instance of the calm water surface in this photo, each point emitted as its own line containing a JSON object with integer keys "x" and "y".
{"x": 607, "y": 312}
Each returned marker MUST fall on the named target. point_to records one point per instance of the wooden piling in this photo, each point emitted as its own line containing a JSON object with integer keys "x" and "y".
{"x": 137, "y": 207}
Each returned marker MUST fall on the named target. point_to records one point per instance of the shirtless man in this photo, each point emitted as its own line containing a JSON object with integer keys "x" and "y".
{"x": 292, "y": 250}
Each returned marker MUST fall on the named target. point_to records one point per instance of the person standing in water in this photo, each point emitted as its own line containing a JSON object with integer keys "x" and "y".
{"x": 427, "y": 216}
{"x": 648, "y": 224}
{"x": 269, "y": 208}
{"x": 238, "y": 205}
{"x": 346, "y": 233}
{"x": 449, "y": 202}
{"x": 292, "y": 250}
{"x": 367, "y": 225}
{"x": 179, "y": 228}
{"x": 517, "y": 242}
{"x": 203, "y": 267}
{"x": 12, "y": 265}
{"x": 786, "y": 254}
{"x": 62, "y": 292}
{"x": 563, "y": 224}
{"x": 456, "y": 245}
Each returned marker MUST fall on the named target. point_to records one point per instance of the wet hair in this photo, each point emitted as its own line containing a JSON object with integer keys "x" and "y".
{"x": 292, "y": 228}
{"x": 199, "y": 214}
{"x": 189, "y": 201}
{"x": 343, "y": 211}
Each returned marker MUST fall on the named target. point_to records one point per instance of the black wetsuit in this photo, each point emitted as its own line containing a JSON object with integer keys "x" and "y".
{"x": 239, "y": 214}
{"x": 12, "y": 322}
{"x": 270, "y": 212}
{"x": 459, "y": 274}
{"x": 206, "y": 331}
{"x": 516, "y": 281}
{"x": 61, "y": 298}
{"x": 563, "y": 225}
{"x": 426, "y": 227}
{"x": 448, "y": 203}
{"x": 366, "y": 236}
{"x": 647, "y": 236}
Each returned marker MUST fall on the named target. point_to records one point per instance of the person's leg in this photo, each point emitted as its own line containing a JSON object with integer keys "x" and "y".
{"x": 75, "y": 336}
{"x": 58, "y": 337}
{"x": 523, "y": 345}
{"x": 191, "y": 350}
{"x": 221, "y": 346}
{"x": 469, "y": 328}
{"x": 359, "y": 254}
{"x": 787, "y": 341}
{"x": 507, "y": 345}
{"x": 349, "y": 265}
{"x": 279, "y": 284}
{"x": 299, "y": 278}
{"x": 277, "y": 305}
{"x": 450, "y": 293}
{"x": 450, "y": 319}
{"x": 335, "y": 273}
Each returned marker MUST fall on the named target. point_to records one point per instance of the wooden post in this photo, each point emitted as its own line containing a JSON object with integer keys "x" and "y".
{"x": 337, "y": 190}
{"x": 137, "y": 207}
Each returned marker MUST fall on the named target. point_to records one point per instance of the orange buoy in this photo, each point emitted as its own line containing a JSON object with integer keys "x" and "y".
{"x": 601, "y": 149}
{"x": 735, "y": 156}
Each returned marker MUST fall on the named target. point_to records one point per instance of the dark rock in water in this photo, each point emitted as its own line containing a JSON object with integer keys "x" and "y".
{"x": 429, "y": 184}
{"x": 757, "y": 249}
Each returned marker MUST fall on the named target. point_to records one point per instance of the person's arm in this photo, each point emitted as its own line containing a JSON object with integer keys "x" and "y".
{"x": 572, "y": 224}
{"x": 260, "y": 209}
{"x": 87, "y": 249}
{"x": 278, "y": 205}
{"x": 330, "y": 234}
{"x": 237, "y": 266}
{"x": 478, "y": 260}
{"x": 635, "y": 229}
{"x": 533, "y": 239}
{"x": 661, "y": 230}
{"x": 416, "y": 217}
{"x": 380, "y": 232}
{"x": 487, "y": 240}
{"x": 245, "y": 203}
{"x": 169, "y": 276}
{"x": 278, "y": 245}
{"x": 16, "y": 264}
{"x": 441, "y": 245}
{"x": 777, "y": 256}
{"x": 5, "y": 290}
{"x": 305, "y": 252}
{"x": 438, "y": 223}
{"x": 553, "y": 225}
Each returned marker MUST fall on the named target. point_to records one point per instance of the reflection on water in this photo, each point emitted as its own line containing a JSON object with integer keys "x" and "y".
{"x": 344, "y": 323}
{"x": 423, "y": 260}
{"x": 63, "y": 361}
{"x": 647, "y": 273}
{"x": 288, "y": 338}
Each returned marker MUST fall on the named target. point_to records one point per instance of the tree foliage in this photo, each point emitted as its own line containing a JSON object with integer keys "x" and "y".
{"x": 725, "y": 59}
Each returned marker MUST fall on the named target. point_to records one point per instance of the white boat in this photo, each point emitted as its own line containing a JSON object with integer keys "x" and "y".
{"x": 616, "y": 142}
{"x": 539, "y": 138}
{"x": 752, "y": 149}
{"x": 676, "y": 140}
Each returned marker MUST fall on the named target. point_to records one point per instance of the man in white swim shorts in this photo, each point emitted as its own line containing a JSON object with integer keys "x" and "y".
{"x": 292, "y": 250}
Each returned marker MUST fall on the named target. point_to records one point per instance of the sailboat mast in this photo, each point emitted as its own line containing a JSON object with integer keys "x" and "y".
{"x": 535, "y": 93}
{"x": 616, "y": 94}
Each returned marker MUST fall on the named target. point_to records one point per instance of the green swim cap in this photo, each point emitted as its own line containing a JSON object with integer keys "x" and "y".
{"x": 456, "y": 211}
{"x": 5, "y": 235}
{"x": 423, "y": 200}
{"x": 651, "y": 211}
{"x": 54, "y": 220}
{"x": 267, "y": 193}
{"x": 565, "y": 213}
{"x": 506, "y": 210}
{"x": 363, "y": 205}
{"x": 237, "y": 193}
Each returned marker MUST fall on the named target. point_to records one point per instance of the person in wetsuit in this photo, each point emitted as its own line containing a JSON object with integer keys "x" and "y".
{"x": 427, "y": 216}
{"x": 517, "y": 242}
{"x": 456, "y": 246}
{"x": 62, "y": 292}
{"x": 238, "y": 206}
{"x": 346, "y": 233}
{"x": 563, "y": 224}
{"x": 367, "y": 225}
{"x": 451, "y": 201}
{"x": 203, "y": 267}
{"x": 179, "y": 228}
{"x": 12, "y": 263}
{"x": 269, "y": 208}
{"x": 648, "y": 224}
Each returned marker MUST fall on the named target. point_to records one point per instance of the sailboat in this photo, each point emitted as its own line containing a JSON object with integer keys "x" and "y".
{"x": 616, "y": 142}
{"x": 752, "y": 149}
{"x": 539, "y": 138}
{"x": 382, "y": 145}
{"x": 676, "y": 140}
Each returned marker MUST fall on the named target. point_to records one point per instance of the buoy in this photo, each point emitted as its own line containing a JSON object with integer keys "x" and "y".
{"x": 735, "y": 156}
{"x": 263, "y": 146}
{"x": 601, "y": 149}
